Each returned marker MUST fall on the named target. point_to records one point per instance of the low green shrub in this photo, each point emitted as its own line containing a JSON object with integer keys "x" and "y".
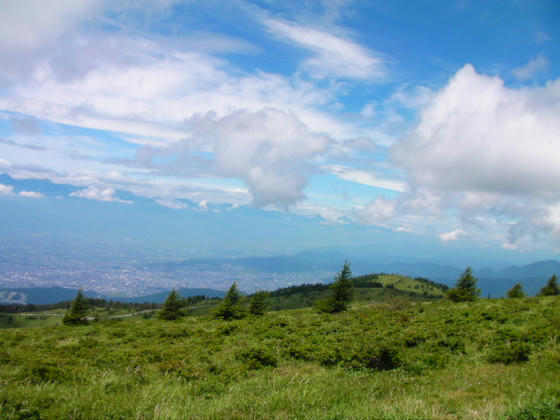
{"x": 44, "y": 372}
{"x": 301, "y": 351}
{"x": 377, "y": 357}
{"x": 257, "y": 357}
{"x": 172, "y": 366}
{"x": 177, "y": 332}
{"x": 227, "y": 329}
{"x": 510, "y": 352}
{"x": 454, "y": 344}
{"x": 540, "y": 410}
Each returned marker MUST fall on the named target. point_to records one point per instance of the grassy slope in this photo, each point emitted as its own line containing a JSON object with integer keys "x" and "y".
{"x": 405, "y": 287}
{"x": 392, "y": 360}
{"x": 48, "y": 318}
{"x": 28, "y": 320}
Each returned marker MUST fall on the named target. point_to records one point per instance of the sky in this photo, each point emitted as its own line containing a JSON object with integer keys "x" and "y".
{"x": 438, "y": 119}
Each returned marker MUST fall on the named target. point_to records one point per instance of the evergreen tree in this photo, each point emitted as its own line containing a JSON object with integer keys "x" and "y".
{"x": 341, "y": 289}
{"x": 465, "y": 289}
{"x": 516, "y": 291}
{"x": 77, "y": 313}
{"x": 551, "y": 287}
{"x": 230, "y": 307}
{"x": 258, "y": 304}
{"x": 172, "y": 307}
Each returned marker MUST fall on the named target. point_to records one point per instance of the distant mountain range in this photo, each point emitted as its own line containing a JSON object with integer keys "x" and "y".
{"x": 39, "y": 295}
{"x": 495, "y": 283}
{"x": 531, "y": 276}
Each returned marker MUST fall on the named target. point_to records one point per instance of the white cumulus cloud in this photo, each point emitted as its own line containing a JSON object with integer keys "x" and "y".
{"x": 453, "y": 235}
{"x": 31, "y": 194}
{"x": 376, "y": 212}
{"x": 269, "y": 150}
{"x": 99, "y": 194}
{"x": 479, "y": 135}
{"x": 486, "y": 151}
{"x": 6, "y": 189}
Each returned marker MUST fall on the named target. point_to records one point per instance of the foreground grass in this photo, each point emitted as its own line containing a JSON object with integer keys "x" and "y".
{"x": 398, "y": 360}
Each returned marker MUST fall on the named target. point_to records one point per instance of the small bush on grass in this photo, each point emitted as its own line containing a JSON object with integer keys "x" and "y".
{"x": 257, "y": 357}
{"x": 508, "y": 353}
{"x": 382, "y": 358}
{"x": 540, "y": 410}
{"x": 227, "y": 329}
{"x": 454, "y": 344}
{"x": 45, "y": 372}
{"x": 375, "y": 357}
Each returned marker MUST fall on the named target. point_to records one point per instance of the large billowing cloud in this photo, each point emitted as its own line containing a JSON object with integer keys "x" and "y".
{"x": 479, "y": 135}
{"x": 28, "y": 27}
{"x": 269, "y": 150}
{"x": 490, "y": 149}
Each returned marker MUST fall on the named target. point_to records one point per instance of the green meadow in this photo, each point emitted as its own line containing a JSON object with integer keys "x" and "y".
{"x": 399, "y": 358}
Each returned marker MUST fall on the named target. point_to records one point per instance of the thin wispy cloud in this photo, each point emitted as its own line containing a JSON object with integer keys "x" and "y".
{"x": 365, "y": 178}
{"x": 332, "y": 56}
{"x": 536, "y": 65}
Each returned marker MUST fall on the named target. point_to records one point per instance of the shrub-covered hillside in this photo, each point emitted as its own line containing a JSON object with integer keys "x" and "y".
{"x": 371, "y": 287}
{"x": 399, "y": 359}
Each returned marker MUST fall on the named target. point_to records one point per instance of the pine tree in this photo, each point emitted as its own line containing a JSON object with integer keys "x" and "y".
{"x": 230, "y": 307}
{"x": 341, "y": 289}
{"x": 465, "y": 289}
{"x": 551, "y": 288}
{"x": 516, "y": 291}
{"x": 258, "y": 304}
{"x": 77, "y": 314}
{"x": 172, "y": 307}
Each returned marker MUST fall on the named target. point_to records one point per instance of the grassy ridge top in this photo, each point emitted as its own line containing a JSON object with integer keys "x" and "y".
{"x": 398, "y": 359}
{"x": 370, "y": 287}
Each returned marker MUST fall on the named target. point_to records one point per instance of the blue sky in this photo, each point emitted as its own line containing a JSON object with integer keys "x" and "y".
{"x": 440, "y": 119}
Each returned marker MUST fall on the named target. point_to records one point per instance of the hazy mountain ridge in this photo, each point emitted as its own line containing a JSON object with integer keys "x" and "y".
{"x": 495, "y": 283}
